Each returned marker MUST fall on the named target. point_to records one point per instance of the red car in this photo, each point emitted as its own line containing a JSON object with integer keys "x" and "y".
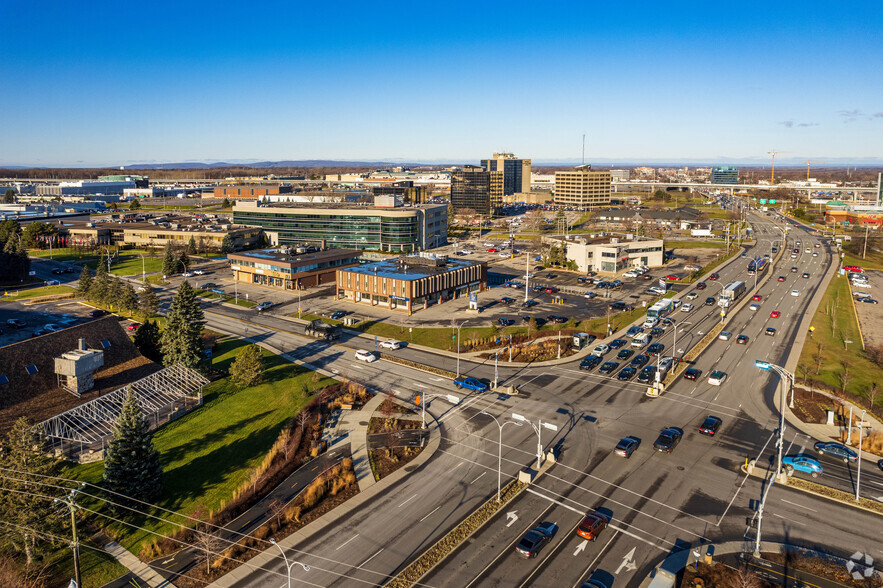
{"x": 592, "y": 525}
{"x": 781, "y": 278}
{"x": 853, "y": 268}
{"x": 713, "y": 276}
{"x": 133, "y": 326}
{"x": 492, "y": 250}
{"x": 774, "y": 314}
{"x": 673, "y": 278}
{"x": 756, "y": 297}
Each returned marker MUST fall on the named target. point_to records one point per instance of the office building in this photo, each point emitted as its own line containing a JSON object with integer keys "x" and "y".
{"x": 610, "y": 254}
{"x": 246, "y": 191}
{"x": 476, "y": 189}
{"x": 87, "y": 187}
{"x": 620, "y": 175}
{"x": 516, "y": 172}
{"x": 583, "y": 188}
{"x": 291, "y": 268}
{"x": 411, "y": 282}
{"x": 405, "y": 229}
{"x": 406, "y": 189}
{"x": 724, "y": 174}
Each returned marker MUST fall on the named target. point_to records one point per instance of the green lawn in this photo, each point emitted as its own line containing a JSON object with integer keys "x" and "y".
{"x": 35, "y": 292}
{"x": 227, "y": 298}
{"x": 831, "y": 330}
{"x": 208, "y": 453}
{"x": 872, "y": 260}
{"x": 97, "y": 568}
{"x": 710, "y": 244}
{"x": 130, "y": 265}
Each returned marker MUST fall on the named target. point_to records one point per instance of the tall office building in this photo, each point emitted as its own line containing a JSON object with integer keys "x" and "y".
{"x": 477, "y": 189}
{"x": 583, "y": 188}
{"x": 516, "y": 172}
{"x": 724, "y": 174}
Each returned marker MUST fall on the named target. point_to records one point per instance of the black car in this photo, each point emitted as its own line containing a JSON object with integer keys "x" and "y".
{"x": 709, "y": 301}
{"x": 619, "y": 306}
{"x": 626, "y": 373}
{"x": 15, "y": 323}
{"x": 557, "y": 318}
{"x": 668, "y": 439}
{"x": 627, "y": 446}
{"x": 655, "y": 348}
{"x": 710, "y": 426}
{"x": 608, "y": 367}
{"x": 624, "y": 353}
{"x": 590, "y": 363}
{"x": 692, "y": 374}
{"x": 617, "y": 343}
{"x": 640, "y": 360}
{"x": 506, "y": 300}
{"x": 338, "y": 314}
{"x": 529, "y": 303}
{"x": 97, "y": 313}
{"x": 701, "y": 286}
{"x": 647, "y": 374}
{"x": 533, "y": 540}
{"x": 208, "y": 286}
{"x": 657, "y": 332}
{"x": 70, "y": 270}
{"x": 551, "y": 276}
{"x": 836, "y": 450}
{"x": 57, "y": 271}
{"x": 505, "y": 322}
{"x": 538, "y": 320}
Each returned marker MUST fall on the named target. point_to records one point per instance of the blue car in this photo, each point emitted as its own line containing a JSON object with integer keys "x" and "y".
{"x": 633, "y": 331}
{"x": 801, "y": 463}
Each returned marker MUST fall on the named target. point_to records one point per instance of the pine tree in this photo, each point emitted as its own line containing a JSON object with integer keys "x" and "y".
{"x": 131, "y": 463}
{"x": 169, "y": 263}
{"x": 24, "y": 453}
{"x": 191, "y": 247}
{"x": 135, "y": 204}
{"x": 227, "y": 244}
{"x": 247, "y": 368}
{"x": 85, "y": 282}
{"x": 147, "y": 339}
{"x": 225, "y": 203}
{"x": 182, "y": 335}
{"x": 148, "y": 301}
{"x": 129, "y": 298}
{"x": 114, "y": 297}
{"x": 185, "y": 259}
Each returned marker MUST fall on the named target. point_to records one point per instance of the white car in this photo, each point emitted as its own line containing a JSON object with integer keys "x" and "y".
{"x": 687, "y": 307}
{"x": 692, "y": 295}
{"x": 198, "y": 272}
{"x": 503, "y": 254}
{"x": 263, "y": 306}
{"x": 815, "y": 253}
{"x": 363, "y": 355}
{"x": 675, "y": 302}
{"x": 725, "y": 336}
{"x": 795, "y": 292}
{"x": 52, "y": 328}
{"x": 650, "y": 323}
{"x": 391, "y": 344}
{"x": 717, "y": 378}
{"x": 466, "y": 252}
{"x": 187, "y": 274}
{"x": 754, "y": 306}
{"x": 489, "y": 245}
{"x": 600, "y": 350}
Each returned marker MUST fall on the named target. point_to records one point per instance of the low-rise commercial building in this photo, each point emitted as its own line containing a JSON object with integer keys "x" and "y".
{"x": 411, "y": 282}
{"x": 684, "y": 218}
{"x": 288, "y": 268}
{"x": 251, "y": 191}
{"x": 610, "y": 254}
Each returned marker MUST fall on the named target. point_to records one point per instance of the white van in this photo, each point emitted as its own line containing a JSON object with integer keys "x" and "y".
{"x": 641, "y": 339}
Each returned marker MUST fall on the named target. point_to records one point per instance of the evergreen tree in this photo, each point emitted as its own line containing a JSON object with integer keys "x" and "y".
{"x": 169, "y": 264}
{"x": 85, "y": 282}
{"x": 135, "y": 204}
{"x": 14, "y": 261}
{"x": 129, "y": 298}
{"x": 148, "y": 301}
{"x": 182, "y": 335}
{"x": 247, "y": 368}
{"x": 147, "y": 339}
{"x": 191, "y": 246}
{"x": 227, "y": 244}
{"x": 25, "y": 453}
{"x": 114, "y": 297}
{"x": 9, "y": 197}
{"x": 185, "y": 259}
{"x": 131, "y": 463}
{"x": 225, "y": 203}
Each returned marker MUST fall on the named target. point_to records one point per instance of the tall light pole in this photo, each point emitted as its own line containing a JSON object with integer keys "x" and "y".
{"x": 500, "y": 450}
{"x": 526, "y": 274}
{"x": 288, "y": 566}
{"x": 538, "y": 429}
{"x": 458, "y": 346}
{"x": 143, "y": 272}
{"x": 858, "y": 479}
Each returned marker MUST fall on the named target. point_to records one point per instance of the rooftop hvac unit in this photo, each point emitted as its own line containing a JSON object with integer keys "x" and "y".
{"x": 76, "y": 369}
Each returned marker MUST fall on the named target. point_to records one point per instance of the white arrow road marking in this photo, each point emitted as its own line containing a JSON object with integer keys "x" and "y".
{"x": 168, "y": 560}
{"x": 581, "y": 546}
{"x": 512, "y": 517}
{"x": 628, "y": 562}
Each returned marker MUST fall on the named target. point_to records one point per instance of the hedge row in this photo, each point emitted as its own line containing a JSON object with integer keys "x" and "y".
{"x": 419, "y": 366}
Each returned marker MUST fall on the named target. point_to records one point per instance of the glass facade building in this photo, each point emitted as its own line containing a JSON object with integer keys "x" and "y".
{"x": 724, "y": 174}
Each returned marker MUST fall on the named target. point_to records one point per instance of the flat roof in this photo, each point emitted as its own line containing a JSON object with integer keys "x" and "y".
{"x": 303, "y": 258}
{"x": 393, "y": 268}
{"x": 330, "y": 207}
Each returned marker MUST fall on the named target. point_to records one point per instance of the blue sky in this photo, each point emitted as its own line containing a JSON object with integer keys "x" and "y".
{"x": 113, "y": 83}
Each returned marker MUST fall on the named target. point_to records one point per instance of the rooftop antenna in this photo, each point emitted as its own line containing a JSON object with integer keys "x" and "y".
{"x": 584, "y": 149}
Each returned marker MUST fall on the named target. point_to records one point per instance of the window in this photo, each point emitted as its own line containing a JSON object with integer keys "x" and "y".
{"x": 105, "y": 343}
{"x": 31, "y": 369}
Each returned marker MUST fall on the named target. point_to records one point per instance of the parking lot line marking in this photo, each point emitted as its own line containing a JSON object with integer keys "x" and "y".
{"x": 798, "y": 505}
{"x": 479, "y": 477}
{"x": 430, "y": 514}
{"x": 347, "y": 541}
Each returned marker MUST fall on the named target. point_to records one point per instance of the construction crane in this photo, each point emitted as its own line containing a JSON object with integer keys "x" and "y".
{"x": 807, "y": 164}
{"x": 773, "y": 172}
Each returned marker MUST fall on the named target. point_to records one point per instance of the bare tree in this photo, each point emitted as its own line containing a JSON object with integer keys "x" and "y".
{"x": 303, "y": 419}
{"x": 209, "y": 547}
{"x": 873, "y": 391}
{"x": 844, "y": 376}
{"x": 744, "y": 578}
{"x": 804, "y": 371}
{"x": 818, "y": 358}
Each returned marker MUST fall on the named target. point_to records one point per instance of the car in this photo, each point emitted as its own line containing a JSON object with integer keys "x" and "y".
{"x": 756, "y": 297}
{"x": 208, "y": 286}
{"x": 717, "y": 378}
{"x": 529, "y": 303}
{"x": 795, "y": 292}
{"x": 725, "y": 336}
{"x": 97, "y": 313}
{"x": 868, "y": 300}
{"x": 338, "y": 314}
{"x": 492, "y": 250}
{"x": 263, "y": 306}
{"x": 624, "y": 353}
{"x": 673, "y": 277}
{"x": 742, "y": 339}
{"x": 781, "y": 278}
{"x": 600, "y": 350}
{"x": 365, "y": 355}
{"x": 505, "y": 322}
{"x": 714, "y": 276}
{"x": 188, "y": 274}
{"x": 607, "y": 367}
{"x": 550, "y": 290}
{"x": 701, "y": 285}
{"x": 470, "y": 384}
{"x": 675, "y": 302}
{"x": 770, "y": 331}
{"x": 640, "y": 360}
{"x": 198, "y": 272}
{"x": 58, "y": 271}
{"x": 551, "y": 276}
{"x": 218, "y": 291}
{"x": 710, "y": 426}
{"x": 880, "y": 464}
{"x": 655, "y": 349}
{"x": 687, "y": 307}
{"x": 837, "y": 450}
{"x": 391, "y": 344}
{"x": 626, "y": 373}
{"x": 794, "y": 268}
{"x": 775, "y": 314}
{"x": 646, "y": 374}
{"x": 692, "y": 374}
{"x": 52, "y": 328}
{"x": 617, "y": 343}
{"x": 805, "y": 274}
{"x": 692, "y": 296}
{"x": 466, "y": 251}
{"x": 506, "y": 300}
{"x": 592, "y": 525}
{"x": 590, "y": 295}
{"x": 534, "y": 540}
{"x": 133, "y": 326}
{"x": 646, "y": 277}
{"x": 818, "y": 245}
{"x": 801, "y": 463}
{"x": 668, "y": 439}
{"x": 634, "y": 330}
{"x": 70, "y": 270}
{"x": 710, "y": 301}
{"x": 16, "y": 323}
{"x": 754, "y": 306}
{"x": 53, "y": 283}
{"x": 590, "y": 363}
{"x": 627, "y": 446}
{"x": 620, "y": 306}
{"x": 557, "y": 319}
{"x": 503, "y": 254}
{"x": 650, "y": 322}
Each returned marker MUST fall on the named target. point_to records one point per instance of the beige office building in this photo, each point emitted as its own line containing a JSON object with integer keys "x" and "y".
{"x": 583, "y": 188}
{"x": 516, "y": 172}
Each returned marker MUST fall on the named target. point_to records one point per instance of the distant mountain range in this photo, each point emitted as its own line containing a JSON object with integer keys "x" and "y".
{"x": 270, "y": 164}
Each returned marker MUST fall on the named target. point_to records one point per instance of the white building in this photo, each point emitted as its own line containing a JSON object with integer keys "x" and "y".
{"x": 610, "y": 255}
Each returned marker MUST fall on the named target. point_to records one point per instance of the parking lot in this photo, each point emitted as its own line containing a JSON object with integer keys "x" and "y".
{"x": 63, "y": 313}
{"x": 871, "y": 315}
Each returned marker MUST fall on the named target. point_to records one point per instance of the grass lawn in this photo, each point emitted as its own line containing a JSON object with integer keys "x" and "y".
{"x": 130, "y": 265}
{"x": 34, "y": 292}
{"x": 210, "y": 452}
{"x": 672, "y": 244}
{"x": 227, "y": 298}
{"x": 831, "y": 330}
{"x": 97, "y": 568}
{"x": 872, "y": 261}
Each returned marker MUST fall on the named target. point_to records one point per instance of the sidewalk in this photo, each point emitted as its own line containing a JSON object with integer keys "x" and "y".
{"x": 356, "y": 422}
{"x": 136, "y": 566}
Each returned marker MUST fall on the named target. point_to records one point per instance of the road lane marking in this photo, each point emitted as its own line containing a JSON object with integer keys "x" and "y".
{"x": 347, "y": 541}
{"x": 479, "y": 477}
{"x": 798, "y": 505}
{"x": 431, "y": 513}
{"x": 369, "y": 559}
{"x": 789, "y": 519}
{"x": 407, "y": 501}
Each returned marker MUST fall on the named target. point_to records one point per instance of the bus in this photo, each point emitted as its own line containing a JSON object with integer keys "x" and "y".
{"x": 758, "y": 265}
{"x": 731, "y": 293}
{"x": 659, "y": 309}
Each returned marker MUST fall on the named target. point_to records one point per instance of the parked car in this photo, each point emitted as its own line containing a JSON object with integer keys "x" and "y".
{"x": 668, "y": 439}
{"x": 338, "y": 314}
{"x": 198, "y": 272}
{"x": 470, "y": 384}
{"x": 592, "y": 525}
{"x": 717, "y": 378}
{"x": 535, "y": 539}
{"x": 263, "y": 306}
{"x": 133, "y": 326}
{"x": 710, "y": 425}
{"x": 837, "y": 450}
{"x": 801, "y": 463}
{"x": 692, "y": 374}
{"x": 507, "y": 300}
{"x": 97, "y": 313}
{"x": 365, "y": 355}
{"x": 57, "y": 271}
{"x": 391, "y": 344}
{"x": 529, "y": 303}
{"x": 505, "y": 322}
{"x": 16, "y": 323}
{"x": 557, "y": 319}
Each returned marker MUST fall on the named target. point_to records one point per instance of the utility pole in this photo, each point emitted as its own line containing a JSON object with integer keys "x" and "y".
{"x": 865, "y": 248}
{"x": 69, "y": 501}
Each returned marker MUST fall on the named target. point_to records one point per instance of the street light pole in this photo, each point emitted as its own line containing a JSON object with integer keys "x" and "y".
{"x": 425, "y": 400}
{"x": 858, "y": 479}
{"x": 292, "y": 564}
{"x": 458, "y": 346}
{"x": 500, "y": 450}
{"x": 538, "y": 429}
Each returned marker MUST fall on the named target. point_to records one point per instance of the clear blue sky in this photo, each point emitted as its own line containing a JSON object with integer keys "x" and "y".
{"x": 121, "y": 82}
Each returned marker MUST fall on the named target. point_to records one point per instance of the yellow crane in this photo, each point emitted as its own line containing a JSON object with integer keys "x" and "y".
{"x": 773, "y": 172}
{"x": 807, "y": 164}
